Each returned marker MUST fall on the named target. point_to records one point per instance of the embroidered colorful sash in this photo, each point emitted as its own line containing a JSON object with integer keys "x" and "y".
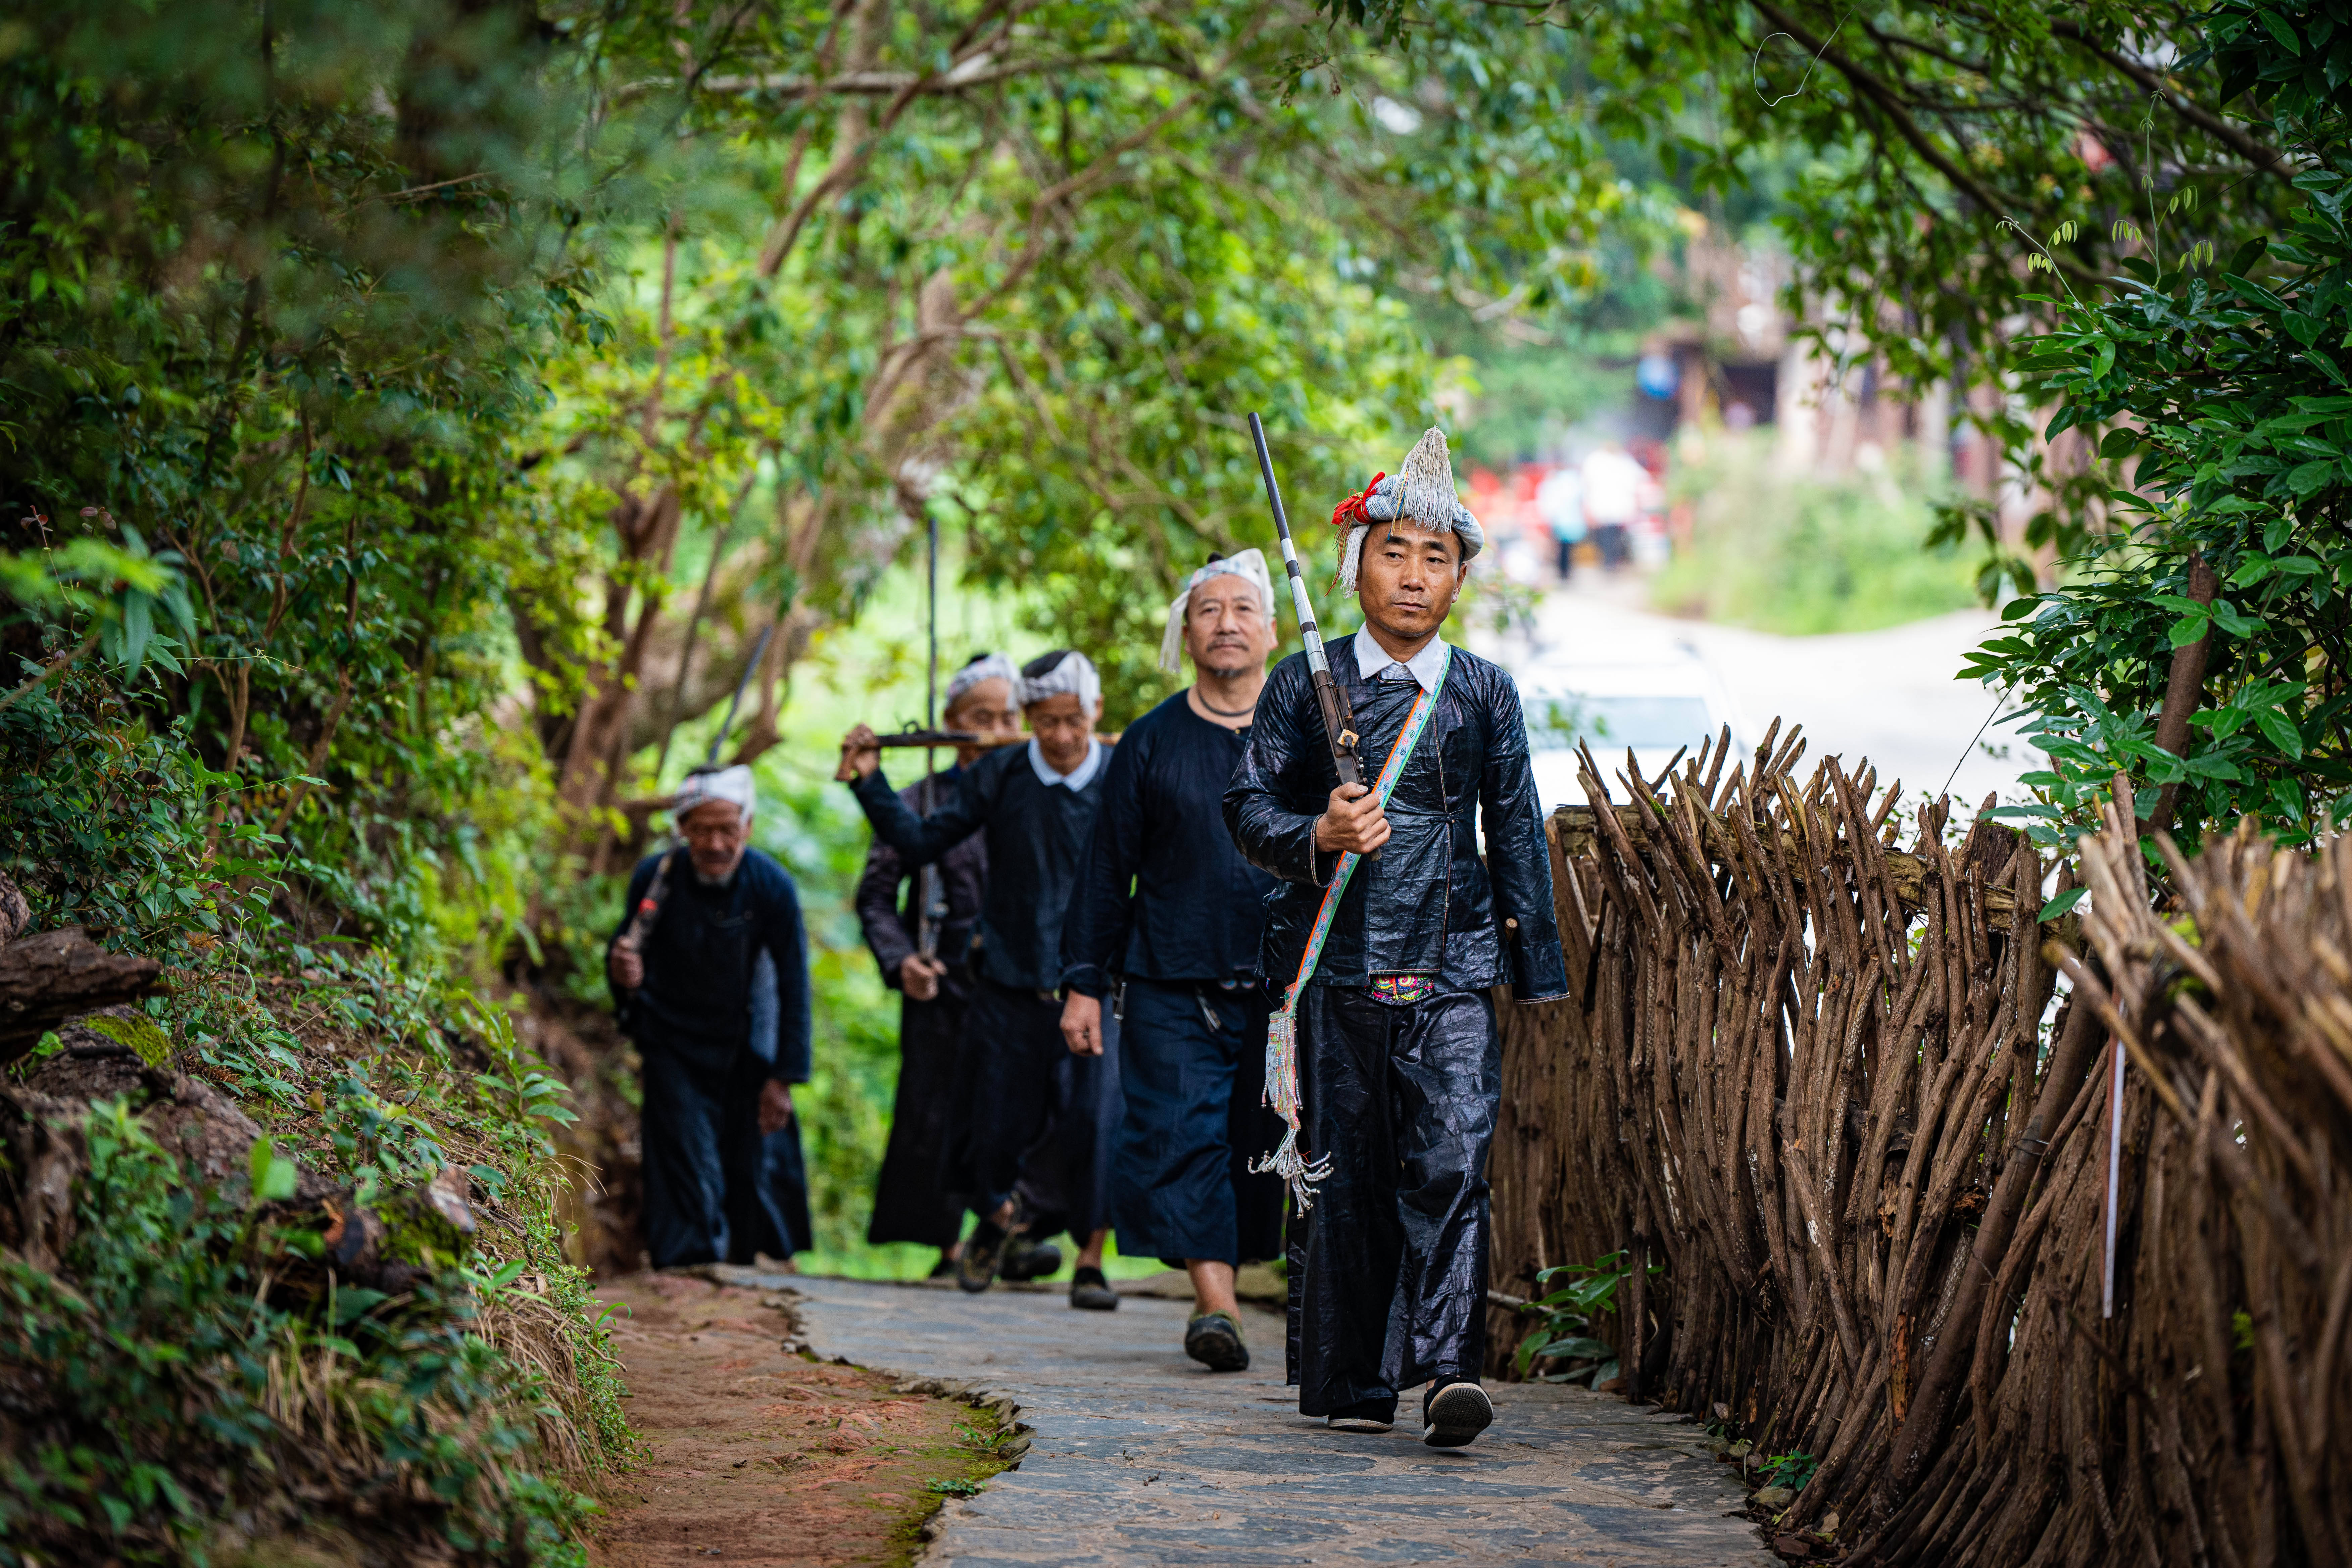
{"x": 1289, "y": 1160}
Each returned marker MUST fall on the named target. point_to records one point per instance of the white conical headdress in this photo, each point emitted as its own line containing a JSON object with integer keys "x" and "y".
{"x": 1424, "y": 490}
{"x": 1421, "y": 491}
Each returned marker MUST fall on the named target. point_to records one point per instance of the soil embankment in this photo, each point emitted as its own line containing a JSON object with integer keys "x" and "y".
{"x": 758, "y": 1453}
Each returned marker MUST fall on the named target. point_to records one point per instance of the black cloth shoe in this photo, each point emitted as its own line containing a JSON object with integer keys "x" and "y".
{"x": 1364, "y": 1415}
{"x": 1454, "y": 1413}
{"x": 1089, "y": 1292}
{"x": 1214, "y": 1340}
{"x": 983, "y": 1253}
{"x": 1026, "y": 1260}
{"x": 943, "y": 1270}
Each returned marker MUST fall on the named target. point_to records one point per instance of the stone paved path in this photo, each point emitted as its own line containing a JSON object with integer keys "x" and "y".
{"x": 1139, "y": 1457}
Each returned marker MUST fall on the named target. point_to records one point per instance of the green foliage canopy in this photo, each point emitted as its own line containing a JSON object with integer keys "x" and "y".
{"x": 2218, "y": 389}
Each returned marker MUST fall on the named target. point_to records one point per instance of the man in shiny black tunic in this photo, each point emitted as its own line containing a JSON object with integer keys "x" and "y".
{"x": 1398, "y": 1055}
{"x": 911, "y": 1200}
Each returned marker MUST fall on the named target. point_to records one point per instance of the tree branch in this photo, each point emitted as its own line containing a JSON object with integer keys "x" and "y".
{"x": 57, "y": 662}
{"x": 2267, "y": 159}
{"x": 1889, "y": 104}
{"x": 975, "y": 72}
{"x": 852, "y": 161}
{"x": 2184, "y": 688}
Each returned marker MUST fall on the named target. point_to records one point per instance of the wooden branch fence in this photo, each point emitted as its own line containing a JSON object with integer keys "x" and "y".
{"x": 1805, "y": 1074}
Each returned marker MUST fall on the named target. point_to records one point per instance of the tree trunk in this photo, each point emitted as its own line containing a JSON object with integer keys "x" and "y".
{"x": 49, "y": 978}
{"x": 2183, "y": 689}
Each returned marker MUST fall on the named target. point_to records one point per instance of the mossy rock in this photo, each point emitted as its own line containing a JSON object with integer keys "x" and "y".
{"x": 425, "y": 1230}
{"x": 141, "y": 1035}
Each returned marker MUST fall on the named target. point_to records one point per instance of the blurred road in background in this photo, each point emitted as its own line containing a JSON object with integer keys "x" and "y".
{"x": 1656, "y": 681}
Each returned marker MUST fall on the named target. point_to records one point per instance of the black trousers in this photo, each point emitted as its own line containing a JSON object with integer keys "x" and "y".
{"x": 1034, "y": 1119}
{"x": 1180, "y": 1184}
{"x": 1389, "y": 1287}
{"x": 716, "y": 1189}
{"x": 911, "y": 1201}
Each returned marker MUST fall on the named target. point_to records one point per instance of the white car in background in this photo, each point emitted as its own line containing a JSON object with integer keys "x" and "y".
{"x": 1657, "y": 700}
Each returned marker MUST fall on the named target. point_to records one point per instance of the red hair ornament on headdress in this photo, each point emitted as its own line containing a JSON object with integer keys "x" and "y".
{"x": 1350, "y": 513}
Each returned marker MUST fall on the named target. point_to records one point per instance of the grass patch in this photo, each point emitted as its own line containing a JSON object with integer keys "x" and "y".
{"x": 986, "y": 1446}
{"x": 1801, "y": 555}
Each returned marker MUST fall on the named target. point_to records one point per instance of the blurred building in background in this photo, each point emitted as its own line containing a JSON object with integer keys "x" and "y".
{"x": 1730, "y": 364}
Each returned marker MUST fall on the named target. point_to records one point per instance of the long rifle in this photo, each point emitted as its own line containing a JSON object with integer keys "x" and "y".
{"x": 1338, "y": 721}
{"x": 930, "y": 889}
{"x": 982, "y": 740}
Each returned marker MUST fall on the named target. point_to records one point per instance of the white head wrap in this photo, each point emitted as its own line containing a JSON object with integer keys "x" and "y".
{"x": 1249, "y": 563}
{"x": 987, "y": 666}
{"x": 1064, "y": 670}
{"x": 1423, "y": 492}
{"x": 730, "y": 784}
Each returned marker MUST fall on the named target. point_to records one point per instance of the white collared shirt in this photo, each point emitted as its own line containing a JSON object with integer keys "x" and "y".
{"x": 1076, "y": 778}
{"x": 1372, "y": 659}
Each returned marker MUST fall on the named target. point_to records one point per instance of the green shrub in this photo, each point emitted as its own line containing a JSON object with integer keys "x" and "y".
{"x": 103, "y": 823}
{"x": 168, "y": 1404}
{"x": 166, "y": 1398}
{"x": 1797, "y": 554}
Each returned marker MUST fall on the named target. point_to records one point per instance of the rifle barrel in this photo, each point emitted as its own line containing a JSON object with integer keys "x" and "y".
{"x": 928, "y": 738}
{"x": 1338, "y": 723}
{"x": 987, "y": 741}
{"x": 1298, "y": 601}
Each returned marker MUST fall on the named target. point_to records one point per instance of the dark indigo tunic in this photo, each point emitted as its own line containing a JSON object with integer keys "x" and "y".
{"x": 1165, "y": 895}
{"x": 1430, "y": 904}
{"x": 912, "y": 1197}
{"x": 696, "y": 1000}
{"x": 889, "y": 925}
{"x": 1037, "y": 839}
{"x": 711, "y": 1023}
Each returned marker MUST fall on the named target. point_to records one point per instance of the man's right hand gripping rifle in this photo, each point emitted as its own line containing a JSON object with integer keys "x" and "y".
{"x": 1351, "y": 822}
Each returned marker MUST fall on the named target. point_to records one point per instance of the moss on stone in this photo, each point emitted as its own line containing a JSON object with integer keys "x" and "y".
{"x": 151, "y": 1045}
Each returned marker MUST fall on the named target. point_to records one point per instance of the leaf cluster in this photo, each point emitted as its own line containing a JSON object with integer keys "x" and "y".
{"x": 1566, "y": 1334}
{"x": 2217, "y": 397}
{"x": 274, "y": 287}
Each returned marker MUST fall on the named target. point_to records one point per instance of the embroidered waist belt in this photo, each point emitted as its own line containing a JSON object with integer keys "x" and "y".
{"x": 1404, "y": 988}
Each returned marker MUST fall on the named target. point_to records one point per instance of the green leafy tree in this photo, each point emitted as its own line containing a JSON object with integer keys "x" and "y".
{"x": 2201, "y": 646}
{"x": 2118, "y": 228}
{"x": 274, "y": 286}
{"x": 1023, "y": 268}
{"x": 1905, "y": 152}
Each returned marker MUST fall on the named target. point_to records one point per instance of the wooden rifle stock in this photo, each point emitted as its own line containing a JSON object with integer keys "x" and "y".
{"x": 927, "y": 739}
{"x": 649, "y": 908}
{"x": 641, "y": 926}
{"x": 986, "y": 740}
{"x": 1339, "y": 727}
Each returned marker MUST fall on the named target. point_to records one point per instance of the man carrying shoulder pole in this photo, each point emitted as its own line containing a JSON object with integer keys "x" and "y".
{"x": 1167, "y": 906}
{"x": 1033, "y": 1148}
{"x": 1386, "y": 939}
